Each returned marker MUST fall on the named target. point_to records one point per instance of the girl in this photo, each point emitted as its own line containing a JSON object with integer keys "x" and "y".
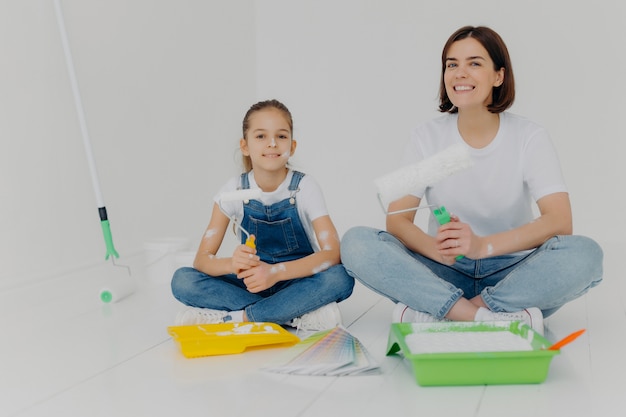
{"x": 514, "y": 267}
{"x": 294, "y": 275}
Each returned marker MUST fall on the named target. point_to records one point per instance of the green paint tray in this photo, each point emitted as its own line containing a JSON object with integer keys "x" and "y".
{"x": 229, "y": 338}
{"x": 437, "y": 367}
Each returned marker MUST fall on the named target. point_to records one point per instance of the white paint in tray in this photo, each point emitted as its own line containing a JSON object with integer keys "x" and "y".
{"x": 447, "y": 342}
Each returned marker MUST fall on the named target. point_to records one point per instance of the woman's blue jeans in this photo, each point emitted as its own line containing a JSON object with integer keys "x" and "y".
{"x": 280, "y": 304}
{"x": 559, "y": 271}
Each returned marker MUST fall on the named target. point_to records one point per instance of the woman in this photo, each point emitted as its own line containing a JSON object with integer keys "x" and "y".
{"x": 493, "y": 260}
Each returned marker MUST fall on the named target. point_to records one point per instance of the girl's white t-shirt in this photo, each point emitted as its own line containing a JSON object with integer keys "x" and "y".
{"x": 310, "y": 201}
{"x": 497, "y": 193}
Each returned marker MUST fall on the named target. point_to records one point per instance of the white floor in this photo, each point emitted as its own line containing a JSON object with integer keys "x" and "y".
{"x": 64, "y": 353}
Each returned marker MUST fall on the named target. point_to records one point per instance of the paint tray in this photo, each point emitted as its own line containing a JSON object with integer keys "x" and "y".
{"x": 229, "y": 338}
{"x": 500, "y": 364}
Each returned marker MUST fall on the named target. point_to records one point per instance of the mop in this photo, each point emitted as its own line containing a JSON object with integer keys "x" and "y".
{"x": 118, "y": 290}
{"x": 240, "y": 195}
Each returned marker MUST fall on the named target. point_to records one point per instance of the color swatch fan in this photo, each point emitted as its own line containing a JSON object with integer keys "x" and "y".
{"x": 332, "y": 352}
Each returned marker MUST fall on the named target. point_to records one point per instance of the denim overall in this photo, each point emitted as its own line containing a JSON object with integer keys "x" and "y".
{"x": 280, "y": 236}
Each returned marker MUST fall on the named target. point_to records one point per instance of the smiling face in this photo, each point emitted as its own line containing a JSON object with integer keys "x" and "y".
{"x": 268, "y": 140}
{"x": 469, "y": 75}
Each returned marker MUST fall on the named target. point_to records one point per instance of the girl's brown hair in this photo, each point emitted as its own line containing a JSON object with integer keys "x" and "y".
{"x": 262, "y": 105}
{"x": 503, "y": 95}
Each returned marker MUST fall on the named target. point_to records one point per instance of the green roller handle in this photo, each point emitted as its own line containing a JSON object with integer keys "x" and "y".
{"x": 443, "y": 217}
{"x": 106, "y": 232}
{"x": 108, "y": 239}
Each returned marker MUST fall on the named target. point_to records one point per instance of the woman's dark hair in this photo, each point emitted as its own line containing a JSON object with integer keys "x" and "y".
{"x": 503, "y": 95}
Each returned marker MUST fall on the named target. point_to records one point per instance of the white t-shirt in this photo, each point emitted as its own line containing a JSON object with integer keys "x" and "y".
{"x": 310, "y": 201}
{"x": 497, "y": 193}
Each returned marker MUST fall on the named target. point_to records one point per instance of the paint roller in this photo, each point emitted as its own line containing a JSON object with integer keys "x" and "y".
{"x": 240, "y": 195}
{"x": 113, "y": 291}
{"x": 422, "y": 174}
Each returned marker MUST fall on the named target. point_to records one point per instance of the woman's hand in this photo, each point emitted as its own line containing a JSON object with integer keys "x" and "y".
{"x": 455, "y": 239}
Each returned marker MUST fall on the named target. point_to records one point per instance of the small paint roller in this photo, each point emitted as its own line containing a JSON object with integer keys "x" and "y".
{"x": 240, "y": 195}
{"x": 102, "y": 211}
{"x": 422, "y": 174}
{"x": 121, "y": 289}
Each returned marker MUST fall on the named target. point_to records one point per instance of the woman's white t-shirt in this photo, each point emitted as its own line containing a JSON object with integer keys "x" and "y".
{"x": 496, "y": 194}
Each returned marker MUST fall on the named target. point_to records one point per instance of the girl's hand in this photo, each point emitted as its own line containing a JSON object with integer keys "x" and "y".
{"x": 454, "y": 239}
{"x": 260, "y": 277}
{"x": 244, "y": 257}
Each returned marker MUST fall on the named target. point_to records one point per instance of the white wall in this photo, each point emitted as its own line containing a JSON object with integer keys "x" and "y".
{"x": 164, "y": 86}
{"x": 359, "y": 74}
{"x": 166, "y": 83}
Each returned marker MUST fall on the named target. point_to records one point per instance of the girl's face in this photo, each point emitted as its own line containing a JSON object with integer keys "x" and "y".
{"x": 268, "y": 141}
{"x": 469, "y": 76}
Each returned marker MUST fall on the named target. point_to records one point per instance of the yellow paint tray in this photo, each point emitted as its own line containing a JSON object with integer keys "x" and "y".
{"x": 229, "y": 338}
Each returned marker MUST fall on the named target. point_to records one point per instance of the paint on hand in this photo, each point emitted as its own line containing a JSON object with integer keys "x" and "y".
{"x": 322, "y": 267}
{"x": 277, "y": 268}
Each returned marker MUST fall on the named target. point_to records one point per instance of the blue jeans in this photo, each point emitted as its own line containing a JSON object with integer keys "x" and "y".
{"x": 281, "y": 303}
{"x": 559, "y": 271}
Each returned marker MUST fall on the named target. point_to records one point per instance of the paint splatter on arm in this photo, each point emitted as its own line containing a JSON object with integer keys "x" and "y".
{"x": 206, "y": 259}
{"x": 209, "y": 233}
{"x": 328, "y": 240}
{"x": 322, "y": 267}
{"x": 277, "y": 268}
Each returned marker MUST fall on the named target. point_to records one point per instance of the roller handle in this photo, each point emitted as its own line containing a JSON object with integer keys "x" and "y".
{"x": 443, "y": 217}
{"x": 106, "y": 232}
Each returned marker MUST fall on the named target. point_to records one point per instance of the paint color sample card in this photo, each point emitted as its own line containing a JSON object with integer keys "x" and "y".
{"x": 332, "y": 352}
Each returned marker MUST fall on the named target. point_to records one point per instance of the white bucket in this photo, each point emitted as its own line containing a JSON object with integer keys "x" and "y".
{"x": 160, "y": 258}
